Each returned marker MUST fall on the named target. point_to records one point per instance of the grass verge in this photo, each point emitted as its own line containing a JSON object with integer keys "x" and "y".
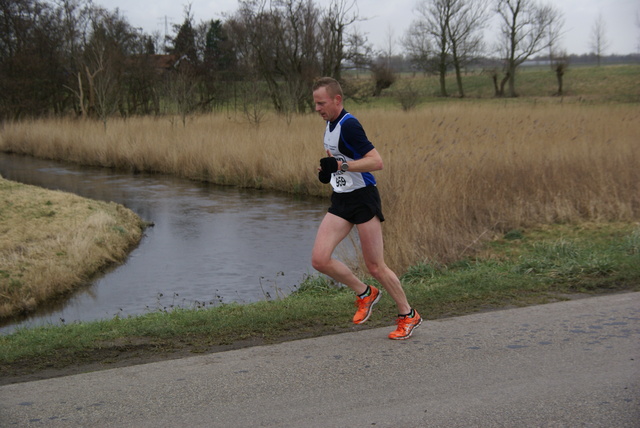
{"x": 525, "y": 267}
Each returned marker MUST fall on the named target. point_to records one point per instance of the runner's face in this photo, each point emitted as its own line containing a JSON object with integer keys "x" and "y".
{"x": 329, "y": 108}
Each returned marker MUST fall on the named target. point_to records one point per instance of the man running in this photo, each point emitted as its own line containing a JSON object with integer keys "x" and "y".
{"x": 355, "y": 201}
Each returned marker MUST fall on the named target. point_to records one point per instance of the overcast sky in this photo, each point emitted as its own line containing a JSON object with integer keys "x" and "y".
{"x": 392, "y": 17}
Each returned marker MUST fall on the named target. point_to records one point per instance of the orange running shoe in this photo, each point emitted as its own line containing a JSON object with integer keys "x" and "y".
{"x": 365, "y": 305}
{"x": 406, "y": 326}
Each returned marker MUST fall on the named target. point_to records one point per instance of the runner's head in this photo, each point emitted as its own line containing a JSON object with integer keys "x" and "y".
{"x": 327, "y": 96}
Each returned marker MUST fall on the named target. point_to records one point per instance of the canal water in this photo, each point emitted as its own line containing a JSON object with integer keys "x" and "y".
{"x": 209, "y": 244}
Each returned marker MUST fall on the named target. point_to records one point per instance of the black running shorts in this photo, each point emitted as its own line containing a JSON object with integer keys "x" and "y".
{"x": 357, "y": 207}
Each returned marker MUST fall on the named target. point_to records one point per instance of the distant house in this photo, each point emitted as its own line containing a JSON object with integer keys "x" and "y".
{"x": 162, "y": 64}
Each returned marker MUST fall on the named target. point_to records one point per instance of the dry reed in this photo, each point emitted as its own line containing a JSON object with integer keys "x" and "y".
{"x": 455, "y": 174}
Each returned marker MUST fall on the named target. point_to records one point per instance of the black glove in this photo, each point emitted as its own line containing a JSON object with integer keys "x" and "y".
{"x": 324, "y": 177}
{"x": 329, "y": 164}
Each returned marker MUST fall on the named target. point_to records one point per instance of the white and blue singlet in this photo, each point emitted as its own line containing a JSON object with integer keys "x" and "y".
{"x": 346, "y": 141}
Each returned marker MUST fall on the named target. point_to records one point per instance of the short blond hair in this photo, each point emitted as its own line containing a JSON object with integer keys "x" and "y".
{"x": 332, "y": 85}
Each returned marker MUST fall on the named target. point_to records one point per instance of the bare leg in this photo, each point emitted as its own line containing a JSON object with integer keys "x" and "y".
{"x": 373, "y": 252}
{"x": 331, "y": 232}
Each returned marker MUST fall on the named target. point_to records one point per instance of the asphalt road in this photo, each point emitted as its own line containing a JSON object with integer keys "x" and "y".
{"x": 568, "y": 364}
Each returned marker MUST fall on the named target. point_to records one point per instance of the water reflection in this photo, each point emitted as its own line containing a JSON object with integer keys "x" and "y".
{"x": 209, "y": 243}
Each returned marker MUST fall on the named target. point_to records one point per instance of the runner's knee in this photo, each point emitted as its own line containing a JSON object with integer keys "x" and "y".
{"x": 319, "y": 263}
{"x": 376, "y": 270}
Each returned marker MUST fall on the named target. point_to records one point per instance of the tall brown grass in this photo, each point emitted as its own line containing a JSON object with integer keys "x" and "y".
{"x": 455, "y": 174}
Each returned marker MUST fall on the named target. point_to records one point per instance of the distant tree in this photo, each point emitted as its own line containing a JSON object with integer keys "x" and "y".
{"x": 218, "y": 62}
{"x": 184, "y": 80}
{"x": 252, "y": 100}
{"x": 495, "y": 76}
{"x": 289, "y": 43}
{"x": 334, "y": 22}
{"x": 468, "y": 18}
{"x": 599, "y": 42}
{"x": 184, "y": 42}
{"x": 149, "y": 45}
{"x": 74, "y": 20}
{"x": 63, "y": 55}
{"x": 143, "y": 81}
{"x": 182, "y": 89}
{"x": 388, "y": 47}
{"x": 560, "y": 65}
{"x": 383, "y": 76}
{"x": 105, "y": 87}
{"x": 527, "y": 28}
{"x": 270, "y": 38}
{"x": 406, "y": 94}
{"x": 446, "y": 33}
{"x": 111, "y": 41}
{"x": 31, "y": 64}
{"x": 218, "y": 55}
{"x": 435, "y": 16}
{"x": 417, "y": 45}
{"x": 359, "y": 51}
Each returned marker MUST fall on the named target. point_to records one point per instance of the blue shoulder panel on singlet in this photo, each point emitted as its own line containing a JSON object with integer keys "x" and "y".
{"x": 354, "y": 138}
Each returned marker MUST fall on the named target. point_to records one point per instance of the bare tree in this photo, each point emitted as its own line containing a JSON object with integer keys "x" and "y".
{"x": 359, "y": 51}
{"x": 599, "y": 42}
{"x": 339, "y": 15}
{"x": 407, "y": 94}
{"x": 31, "y": 65}
{"x": 389, "y": 43}
{"x": 436, "y": 14}
{"x": 468, "y": 18}
{"x": 560, "y": 65}
{"x": 57, "y": 55}
{"x": 289, "y": 43}
{"x": 253, "y": 96}
{"x": 450, "y": 30}
{"x": 103, "y": 85}
{"x": 271, "y": 38}
{"x": 527, "y": 28}
{"x": 111, "y": 42}
{"x": 417, "y": 45}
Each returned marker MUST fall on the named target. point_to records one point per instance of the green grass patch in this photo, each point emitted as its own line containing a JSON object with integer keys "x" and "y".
{"x": 584, "y": 84}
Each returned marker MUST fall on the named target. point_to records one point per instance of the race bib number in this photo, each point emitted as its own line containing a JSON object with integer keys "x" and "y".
{"x": 341, "y": 181}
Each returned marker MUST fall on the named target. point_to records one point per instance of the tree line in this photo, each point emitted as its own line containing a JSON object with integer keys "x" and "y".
{"x": 74, "y": 57}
